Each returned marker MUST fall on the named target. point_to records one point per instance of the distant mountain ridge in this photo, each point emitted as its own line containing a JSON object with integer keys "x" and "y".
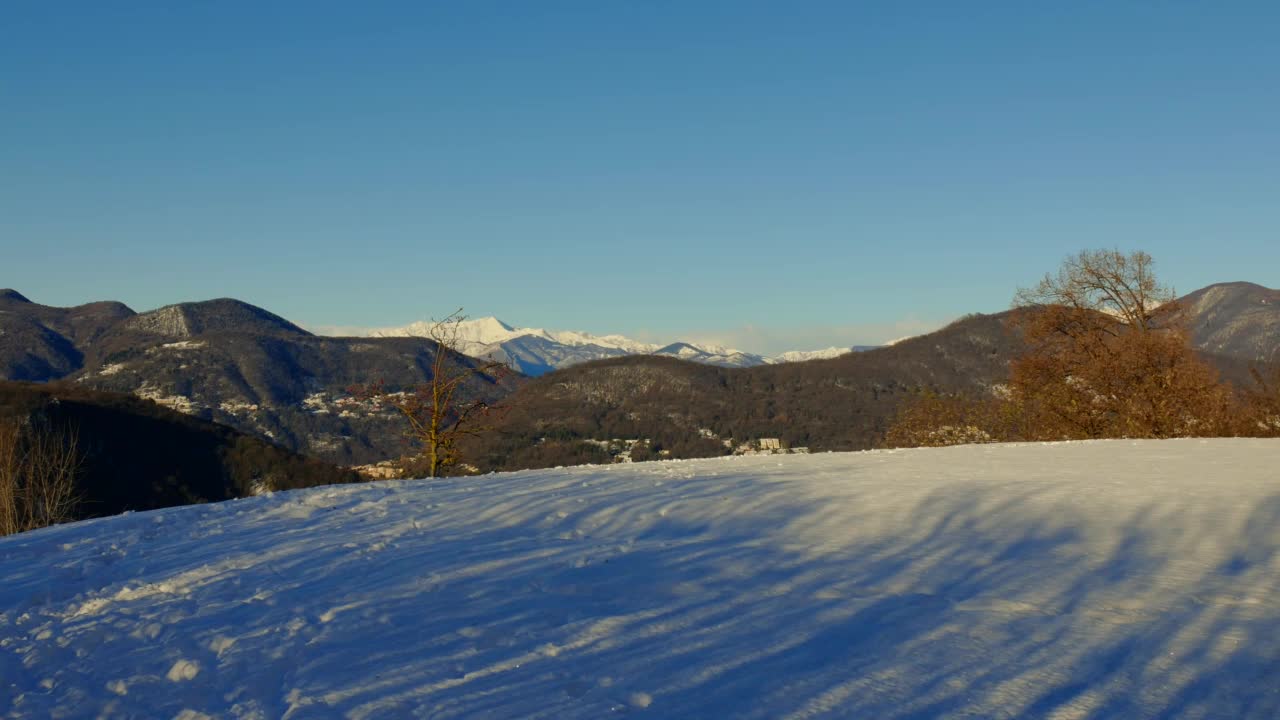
{"x": 39, "y": 342}
{"x": 240, "y": 365}
{"x": 532, "y": 351}
{"x": 717, "y": 355}
{"x": 1237, "y": 319}
{"x": 535, "y": 351}
{"x": 188, "y": 319}
{"x": 231, "y": 362}
{"x": 842, "y": 403}
{"x": 692, "y": 409}
{"x": 824, "y": 354}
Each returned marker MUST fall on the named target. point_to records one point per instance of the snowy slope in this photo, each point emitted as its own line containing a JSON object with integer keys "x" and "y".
{"x": 803, "y": 355}
{"x": 1085, "y": 580}
{"x": 711, "y": 355}
{"x": 488, "y": 331}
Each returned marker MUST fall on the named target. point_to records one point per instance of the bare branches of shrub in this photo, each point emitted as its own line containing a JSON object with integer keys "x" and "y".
{"x": 934, "y": 420}
{"x": 1263, "y": 416}
{"x": 38, "y": 468}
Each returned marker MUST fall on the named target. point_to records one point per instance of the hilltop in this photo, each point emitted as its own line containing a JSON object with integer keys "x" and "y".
{"x": 1239, "y": 320}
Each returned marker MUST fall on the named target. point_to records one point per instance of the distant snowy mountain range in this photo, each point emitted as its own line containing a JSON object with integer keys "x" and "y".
{"x": 534, "y": 351}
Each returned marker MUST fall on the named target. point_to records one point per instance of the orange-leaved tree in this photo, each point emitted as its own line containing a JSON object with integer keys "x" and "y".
{"x": 1107, "y": 355}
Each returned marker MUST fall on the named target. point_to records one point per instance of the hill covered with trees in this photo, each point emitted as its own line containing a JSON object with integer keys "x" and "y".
{"x": 120, "y": 453}
{"x": 691, "y": 410}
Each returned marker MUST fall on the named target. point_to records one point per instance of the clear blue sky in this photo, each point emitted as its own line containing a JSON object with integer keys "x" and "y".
{"x": 771, "y": 174}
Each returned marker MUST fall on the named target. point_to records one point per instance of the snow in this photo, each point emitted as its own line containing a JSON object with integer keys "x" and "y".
{"x": 236, "y": 406}
{"x": 181, "y": 403}
{"x": 1078, "y": 580}
{"x": 180, "y": 345}
{"x": 803, "y": 355}
{"x": 480, "y": 336}
{"x": 489, "y": 337}
{"x": 712, "y": 355}
{"x": 529, "y": 350}
{"x": 574, "y": 338}
{"x": 111, "y": 369}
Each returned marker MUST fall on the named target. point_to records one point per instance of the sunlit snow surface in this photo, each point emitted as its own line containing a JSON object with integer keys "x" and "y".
{"x": 1087, "y": 580}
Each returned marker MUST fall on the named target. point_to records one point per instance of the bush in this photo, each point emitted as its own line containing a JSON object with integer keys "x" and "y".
{"x": 1263, "y": 414}
{"x": 38, "y": 469}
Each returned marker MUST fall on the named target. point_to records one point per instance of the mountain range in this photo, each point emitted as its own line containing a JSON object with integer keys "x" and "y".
{"x": 534, "y": 351}
{"x": 840, "y": 403}
{"x": 240, "y": 365}
{"x": 230, "y": 362}
{"x": 685, "y": 409}
{"x": 1236, "y": 319}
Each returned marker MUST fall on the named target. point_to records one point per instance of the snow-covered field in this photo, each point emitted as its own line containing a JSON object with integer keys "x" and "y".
{"x": 1084, "y": 580}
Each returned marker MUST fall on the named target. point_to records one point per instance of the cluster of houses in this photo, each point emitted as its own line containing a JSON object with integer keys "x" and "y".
{"x": 620, "y": 448}
{"x": 768, "y": 446}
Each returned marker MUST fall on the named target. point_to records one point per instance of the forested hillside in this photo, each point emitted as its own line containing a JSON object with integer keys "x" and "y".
{"x": 132, "y": 454}
{"x": 690, "y": 410}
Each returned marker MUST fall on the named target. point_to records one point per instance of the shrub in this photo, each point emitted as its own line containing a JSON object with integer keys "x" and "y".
{"x": 38, "y": 469}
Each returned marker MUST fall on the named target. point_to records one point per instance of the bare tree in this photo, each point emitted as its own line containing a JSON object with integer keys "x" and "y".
{"x": 438, "y": 412}
{"x": 10, "y": 479}
{"x": 1096, "y": 285}
{"x": 38, "y": 471}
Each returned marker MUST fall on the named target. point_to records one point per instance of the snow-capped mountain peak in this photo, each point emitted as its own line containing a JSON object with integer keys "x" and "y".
{"x": 535, "y": 351}
{"x": 802, "y": 355}
{"x": 474, "y": 331}
{"x": 488, "y": 329}
{"x": 532, "y": 351}
{"x": 485, "y": 331}
{"x": 617, "y": 342}
{"x": 712, "y": 355}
